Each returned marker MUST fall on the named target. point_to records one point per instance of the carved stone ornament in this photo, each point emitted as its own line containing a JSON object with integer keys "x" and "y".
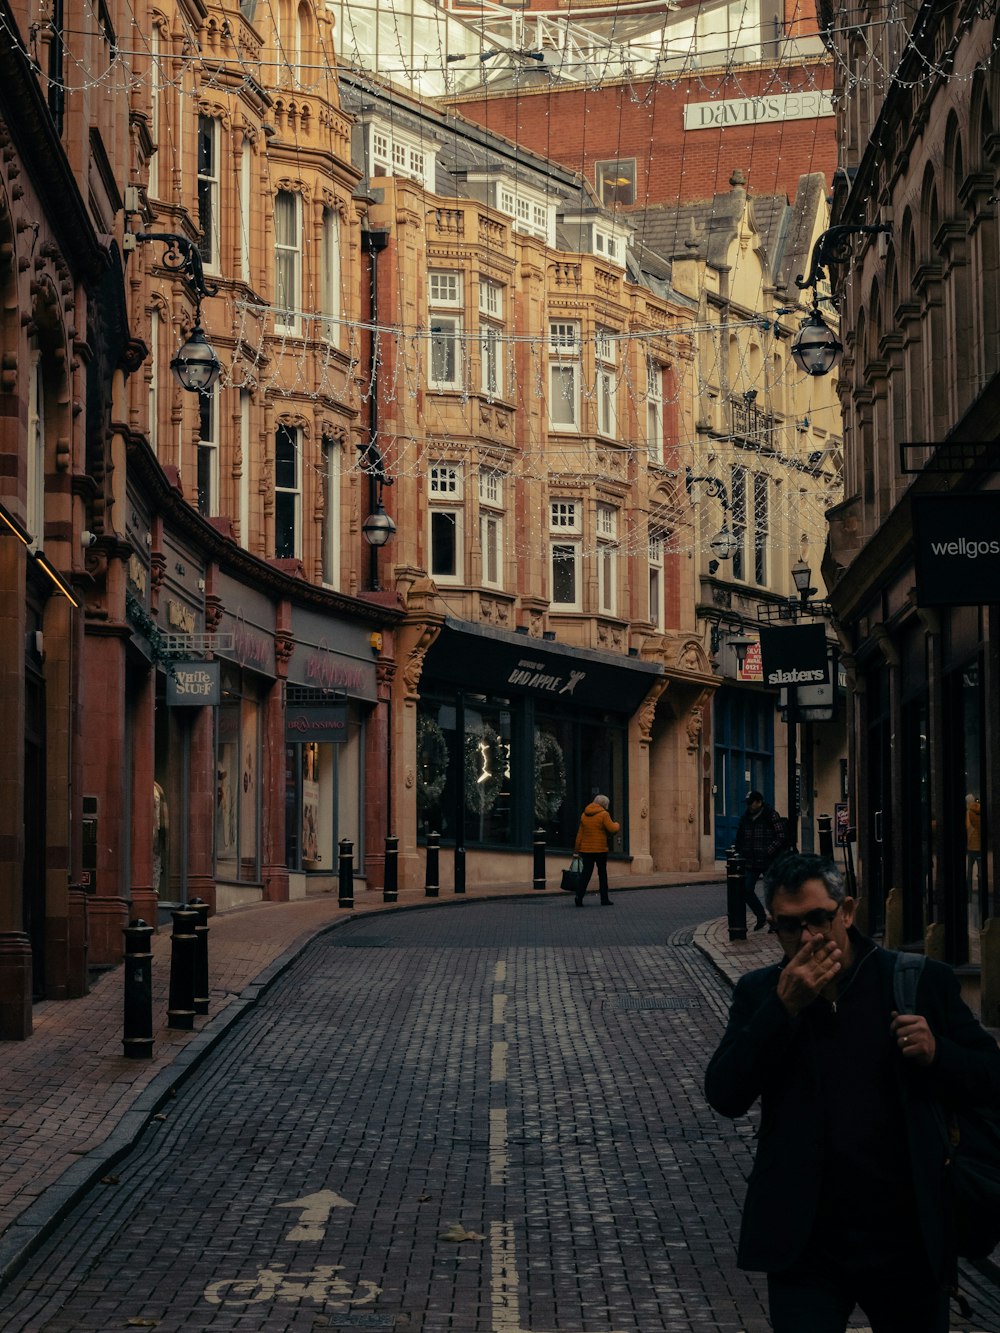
{"x": 694, "y": 725}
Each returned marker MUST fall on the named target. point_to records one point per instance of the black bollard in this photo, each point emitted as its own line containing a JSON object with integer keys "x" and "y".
{"x": 825, "y": 825}
{"x": 137, "y": 1037}
{"x": 390, "y": 886}
{"x": 431, "y": 874}
{"x": 736, "y": 909}
{"x": 345, "y": 875}
{"x": 459, "y": 869}
{"x": 201, "y": 955}
{"x": 539, "y": 846}
{"x": 183, "y": 956}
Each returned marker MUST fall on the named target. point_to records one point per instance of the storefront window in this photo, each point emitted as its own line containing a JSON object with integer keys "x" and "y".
{"x": 237, "y": 807}
{"x": 323, "y": 782}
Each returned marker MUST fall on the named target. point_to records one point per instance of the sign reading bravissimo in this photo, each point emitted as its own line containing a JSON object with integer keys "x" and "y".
{"x": 315, "y": 722}
{"x": 794, "y": 655}
{"x": 487, "y": 660}
{"x": 956, "y": 548}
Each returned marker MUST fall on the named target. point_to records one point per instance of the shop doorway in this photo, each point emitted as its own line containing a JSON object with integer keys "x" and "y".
{"x": 744, "y": 757}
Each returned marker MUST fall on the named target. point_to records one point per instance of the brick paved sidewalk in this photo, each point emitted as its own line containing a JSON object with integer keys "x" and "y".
{"x": 71, "y": 1103}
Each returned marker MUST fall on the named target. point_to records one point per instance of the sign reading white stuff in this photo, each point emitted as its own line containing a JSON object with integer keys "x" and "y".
{"x": 956, "y": 548}
{"x": 758, "y": 110}
{"x": 794, "y": 655}
{"x": 193, "y": 684}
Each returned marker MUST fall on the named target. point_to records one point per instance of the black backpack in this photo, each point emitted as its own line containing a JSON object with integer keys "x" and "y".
{"x": 971, "y": 1141}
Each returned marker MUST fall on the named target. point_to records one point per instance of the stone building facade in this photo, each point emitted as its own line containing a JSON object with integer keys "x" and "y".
{"x": 919, "y": 392}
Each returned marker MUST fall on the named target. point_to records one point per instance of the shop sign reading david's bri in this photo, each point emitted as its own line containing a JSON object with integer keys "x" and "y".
{"x": 956, "y": 548}
{"x": 758, "y": 110}
{"x": 794, "y": 655}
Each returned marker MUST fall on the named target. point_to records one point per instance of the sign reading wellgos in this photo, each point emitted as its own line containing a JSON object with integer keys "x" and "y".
{"x": 794, "y": 655}
{"x": 956, "y": 548}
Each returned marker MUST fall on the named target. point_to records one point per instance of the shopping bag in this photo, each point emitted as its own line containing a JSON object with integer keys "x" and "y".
{"x": 572, "y": 876}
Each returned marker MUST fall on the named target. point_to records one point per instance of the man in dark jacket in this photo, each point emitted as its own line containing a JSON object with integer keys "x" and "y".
{"x": 760, "y": 836}
{"x": 846, "y": 1201}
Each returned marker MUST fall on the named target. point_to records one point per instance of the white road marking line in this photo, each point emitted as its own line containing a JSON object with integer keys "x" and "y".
{"x": 498, "y": 1061}
{"x": 499, "y": 1158}
{"x": 499, "y": 1008}
{"x": 505, "y": 1300}
{"x": 500, "y": 972}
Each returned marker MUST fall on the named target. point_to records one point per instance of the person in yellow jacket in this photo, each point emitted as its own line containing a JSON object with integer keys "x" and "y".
{"x": 596, "y": 825}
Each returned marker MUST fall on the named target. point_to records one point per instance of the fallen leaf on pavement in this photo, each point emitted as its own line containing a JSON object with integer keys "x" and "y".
{"x": 457, "y": 1232}
{"x": 141, "y": 1323}
{"x": 109, "y": 1180}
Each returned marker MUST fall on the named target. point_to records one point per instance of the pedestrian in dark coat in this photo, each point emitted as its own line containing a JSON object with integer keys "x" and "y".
{"x": 592, "y": 841}
{"x": 846, "y": 1201}
{"x": 760, "y": 836}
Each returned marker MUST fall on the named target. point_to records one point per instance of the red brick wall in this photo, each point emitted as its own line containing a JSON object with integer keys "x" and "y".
{"x": 579, "y": 126}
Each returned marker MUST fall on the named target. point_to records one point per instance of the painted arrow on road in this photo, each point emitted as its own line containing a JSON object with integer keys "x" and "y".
{"x": 315, "y": 1214}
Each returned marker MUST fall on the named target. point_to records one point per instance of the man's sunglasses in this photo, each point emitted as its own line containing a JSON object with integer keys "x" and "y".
{"x": 818, "y": 919}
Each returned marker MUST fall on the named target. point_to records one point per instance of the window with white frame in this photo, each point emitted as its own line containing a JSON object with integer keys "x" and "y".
{"x": 605, "y": 383}
{"x": 761, "y": 527}
{"x": 491, "y": 337}
{"x": 330, "y": 276}
{"x": 287, "y": 260}
{"x": 155, "y": 93}
{"x": 153, "y": 381}
{"x": 208, "y": 190}
{"x": 444, "y": 515}
{"x": 287, "y": 492}
{"x": 607, "y": 559}
{"x": 491, "y": 527}
{"x": 738, "y": 499}
{"x": 533, "y": 215}
{"x": 564, "y": 375}
{"x": 330, "y": 535}
{"x": 565, "y": 527}
{"x": 656, "y": 601}
{"x": 34, "y": 508}
{"x": 445, "y": 299}
{"x": 391, "y": 152}
{"x": 244, "y": 485}
{"x": 608, "y": 245}
{"x": 246, "y": 192}
{"x": 208, "y": 453}
{"x": 654, "y": 410}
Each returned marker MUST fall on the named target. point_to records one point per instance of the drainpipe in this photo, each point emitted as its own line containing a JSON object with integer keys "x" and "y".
{"x": 373, "y": 241}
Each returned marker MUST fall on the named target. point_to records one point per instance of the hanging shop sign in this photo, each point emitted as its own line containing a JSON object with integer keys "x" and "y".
{"x": 193, "y": 684}
{"x": 956, "y": 549}
{"x": 480, "y": 658}
{"x": 794, "y": 655}
{"x": 312, "y": 722}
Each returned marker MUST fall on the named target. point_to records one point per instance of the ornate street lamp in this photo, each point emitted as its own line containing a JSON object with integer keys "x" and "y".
{"x": 378, "y": 527}
{"x": 802, "y": 577}
{"x": 195, "y": 365}
{"x": 725, "y": 542}
{"x": 816, "y": 347}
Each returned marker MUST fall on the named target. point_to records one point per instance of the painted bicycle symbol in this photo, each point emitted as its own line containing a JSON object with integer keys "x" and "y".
{"x": 317, "y": 1284}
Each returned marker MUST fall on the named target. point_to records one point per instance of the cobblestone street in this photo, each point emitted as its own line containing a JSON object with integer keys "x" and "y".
{"x": 485, "y": 1119}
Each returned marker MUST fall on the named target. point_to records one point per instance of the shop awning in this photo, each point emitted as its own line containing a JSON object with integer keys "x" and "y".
{"x": 494, "y": 661}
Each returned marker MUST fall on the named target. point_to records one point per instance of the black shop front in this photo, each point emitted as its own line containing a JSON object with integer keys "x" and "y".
{"x": 516, "y": 734}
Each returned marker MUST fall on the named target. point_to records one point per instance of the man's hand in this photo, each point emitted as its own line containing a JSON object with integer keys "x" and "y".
{"x": 914, "y": 1038}
{"x": 805, "y": 976}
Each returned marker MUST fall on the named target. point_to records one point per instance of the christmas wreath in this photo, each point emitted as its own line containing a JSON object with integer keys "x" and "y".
{"x": 550, "y": 777}
{"x": 432, "y": 761}
{"x": 485, "y": 766}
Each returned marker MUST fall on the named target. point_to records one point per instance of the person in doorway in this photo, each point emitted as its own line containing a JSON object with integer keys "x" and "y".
{"x": 846, "y": 1201}
{"x": 760, "y": 835}
{"x": 973, "y": 841}
{"x": 596, "y": 827}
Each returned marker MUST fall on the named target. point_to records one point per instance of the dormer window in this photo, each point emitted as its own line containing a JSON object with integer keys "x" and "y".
{"x": 391, "y": 151}
{"x": 609, "y": 246}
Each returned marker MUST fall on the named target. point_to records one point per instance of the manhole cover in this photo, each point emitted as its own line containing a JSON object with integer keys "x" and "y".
{"x": 656, "y": 1002}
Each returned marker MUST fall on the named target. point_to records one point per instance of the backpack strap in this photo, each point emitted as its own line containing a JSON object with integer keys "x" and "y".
{"x": 906, "y": 974}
